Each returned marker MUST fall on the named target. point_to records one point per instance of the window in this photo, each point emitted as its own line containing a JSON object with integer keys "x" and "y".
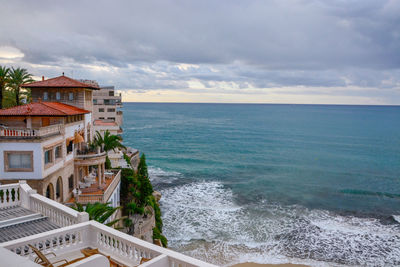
{"x": 58, "y": 187}
{"x": 101, "y": 118}
{"x": 71, "y": 183}
{"x": 101, "y": 109}
{"x": 110, "y": 93}
{"x": 58, "y": 152}
{"x": 71, "y": 96}
{"x": 58, "y": 95}
{"x": 45, "y": 96}
{"x": 95, "y": 101}
{"x": 109, "y": 101}
{"x": 48, "y": 156}
{"x": 111, "y": 118}
{"x": 21, "y": 161}
{"x": 70, "y": 147}
{"x": 111, "y": 110}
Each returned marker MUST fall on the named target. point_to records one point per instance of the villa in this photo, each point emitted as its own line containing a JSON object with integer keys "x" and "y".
{"x": 47, "y": 159}
{"x": 47, "y": 143}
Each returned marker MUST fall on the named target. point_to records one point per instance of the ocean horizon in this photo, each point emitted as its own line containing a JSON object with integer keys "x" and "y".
{"x": 274, "y": 183}
{"x": 249, "y": 103}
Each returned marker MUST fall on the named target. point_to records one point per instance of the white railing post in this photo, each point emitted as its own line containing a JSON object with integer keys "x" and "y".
{"x": 25, "y": 194}
{"x": 83, "y": 217}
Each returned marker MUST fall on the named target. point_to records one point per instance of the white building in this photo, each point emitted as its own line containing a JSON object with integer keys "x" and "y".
{"x": 107, "y": 116}
{"x": 47, "y": 144}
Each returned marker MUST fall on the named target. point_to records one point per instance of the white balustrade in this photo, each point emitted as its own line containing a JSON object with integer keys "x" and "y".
{"x": 26, "y": 132}
{"x": 22, "y": 194}
{"x": 110, "y": 189}
{"x": 56, "y": 212}
{"x": 9, "y": 195}
{"x": 103, "y": 198}
{"x": 119, "y": 246}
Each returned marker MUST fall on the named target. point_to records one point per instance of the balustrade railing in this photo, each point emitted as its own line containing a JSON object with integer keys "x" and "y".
{"x": 27, "y": 132}
{"x": 89, "y": 198}
{"x": 9, "y": 195}
{"x": 110, "y": 189}
{"x": 105, "y": 196}
{"x": 119, "y": 246}
{"x": 56, "y": 212}
{"x": 21, "y": 194}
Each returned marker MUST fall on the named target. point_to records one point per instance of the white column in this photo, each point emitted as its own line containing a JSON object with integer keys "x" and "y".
{"x": 99, "y": 173}
{"x": 29, "y": 122}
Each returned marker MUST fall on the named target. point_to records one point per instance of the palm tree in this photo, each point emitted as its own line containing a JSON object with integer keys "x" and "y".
{"x": 18, "y": 77}
{"x": 99, "y": 212}
{"x": 108, "y": 141}
{"x": 4, "y": 79}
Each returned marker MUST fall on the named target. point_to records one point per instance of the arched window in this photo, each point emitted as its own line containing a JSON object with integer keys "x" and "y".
{"x": 59, "y": 187}
{"x": 50, "y": 191}
{"x": 71, "y": 182}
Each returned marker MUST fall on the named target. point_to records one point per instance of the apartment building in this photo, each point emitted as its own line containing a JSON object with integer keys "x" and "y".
{"x": 47, "y": 141}
{"x": 107, "y": 116}
{"x": 107, "y": 105}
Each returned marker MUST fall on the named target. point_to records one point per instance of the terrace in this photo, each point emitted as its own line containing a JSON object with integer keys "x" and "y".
{"x": 23, "y": 212}
{"x": 92, "y": 192}
{"x": 73, "y": 237}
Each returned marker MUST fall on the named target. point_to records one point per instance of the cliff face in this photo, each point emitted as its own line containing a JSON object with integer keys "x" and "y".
{"x": 140, "y": 203}
{"x": 135, "y": 161}
{"x": 143, "y": 224}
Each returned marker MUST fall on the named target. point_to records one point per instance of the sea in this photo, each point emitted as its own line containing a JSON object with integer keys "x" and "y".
{"x": 265, "y": 183}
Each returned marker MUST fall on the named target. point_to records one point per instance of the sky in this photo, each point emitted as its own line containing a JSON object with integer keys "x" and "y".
{"x": 228, "y": 51}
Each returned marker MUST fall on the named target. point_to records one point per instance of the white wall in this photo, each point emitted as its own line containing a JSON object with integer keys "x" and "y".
{"x": 71, "y": 128}
{"x": 37, "y": 160}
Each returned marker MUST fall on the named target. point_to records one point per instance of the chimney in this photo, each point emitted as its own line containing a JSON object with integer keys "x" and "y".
{"x": 42, "y": 78}
{"x": 63, "y": 73}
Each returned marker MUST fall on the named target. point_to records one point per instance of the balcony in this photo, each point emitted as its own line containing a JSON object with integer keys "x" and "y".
{"x": 87, "y": 155}
{"x": 21, "y": 199}
{"x": 97, "y": 192}
{"x": 11, "y": 132}
{"x": 73, "y": 234}
{"x": 123, "y": 249}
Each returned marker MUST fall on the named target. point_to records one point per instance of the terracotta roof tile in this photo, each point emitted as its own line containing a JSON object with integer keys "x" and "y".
{"x": 60, "y": 82}
{"x": 104, "y": 123}
{"x": 43, "y": 109}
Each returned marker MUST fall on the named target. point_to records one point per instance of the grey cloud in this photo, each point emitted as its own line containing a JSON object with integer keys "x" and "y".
{"x": 261, "y": 43}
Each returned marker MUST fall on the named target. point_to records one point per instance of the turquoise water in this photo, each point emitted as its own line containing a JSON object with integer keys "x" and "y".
{"x": 274, "y": 183}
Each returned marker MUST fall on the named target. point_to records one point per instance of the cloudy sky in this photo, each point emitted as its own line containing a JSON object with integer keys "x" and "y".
{"x": 297, "y": 51}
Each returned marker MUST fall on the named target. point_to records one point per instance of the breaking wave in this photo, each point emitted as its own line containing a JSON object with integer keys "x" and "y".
{"x": 201, "y": 219}
{"x": 159, "y": 176}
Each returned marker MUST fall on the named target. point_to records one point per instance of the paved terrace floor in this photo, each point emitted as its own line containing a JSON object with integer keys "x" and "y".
{"x": 17, "y": 222}
{"x": 94, "y": 188}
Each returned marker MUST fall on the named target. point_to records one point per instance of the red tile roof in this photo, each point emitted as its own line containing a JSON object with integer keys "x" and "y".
{"x": 60, "y": 82}
{"x": 43, "y": 109}
{"x": 104, "y": 123}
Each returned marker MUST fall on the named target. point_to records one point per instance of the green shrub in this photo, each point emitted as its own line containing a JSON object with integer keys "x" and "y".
{"x": 127, "y": 159}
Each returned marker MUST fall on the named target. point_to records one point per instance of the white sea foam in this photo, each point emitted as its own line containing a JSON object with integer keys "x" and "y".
{"x": 202, "y": 220}
{"x": 396, "y": 218}
{"x": 158, "y": 175}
